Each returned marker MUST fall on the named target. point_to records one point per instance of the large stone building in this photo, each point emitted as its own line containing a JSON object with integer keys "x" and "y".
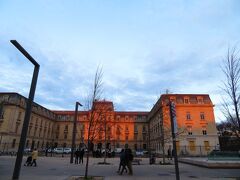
{"x": 197, "y": 133}
{"x": 141, "y": 130}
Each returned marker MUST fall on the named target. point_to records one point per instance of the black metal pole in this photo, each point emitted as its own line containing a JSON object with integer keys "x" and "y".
{"x": 22, "y": 142}
{"x": 174, "y": 140}
{"x": 74, "y": 131}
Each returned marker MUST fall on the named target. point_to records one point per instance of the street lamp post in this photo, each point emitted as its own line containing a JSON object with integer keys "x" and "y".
{"x": 28, "y": 109}
{"x": 74, "y": 130}
{"x": 174, "y": 131}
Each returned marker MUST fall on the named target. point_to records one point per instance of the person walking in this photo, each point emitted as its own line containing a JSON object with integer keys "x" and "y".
{"x": 29, "y": 161}
{"x": 34, "y": 157}
{"x": 128, "y": 160}
{"x": 122, "y": 164}
{"x": 169, "y": 152}
{"x": 81, "y": 154}
{"x": 76, "y": 156}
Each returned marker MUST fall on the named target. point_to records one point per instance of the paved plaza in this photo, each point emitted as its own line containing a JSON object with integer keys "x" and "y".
{"x": 59, "y": 168}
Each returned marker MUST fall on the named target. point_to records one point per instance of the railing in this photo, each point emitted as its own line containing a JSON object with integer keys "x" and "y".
{"x": 224, "y": 155}
{"x": 189, "y": 151}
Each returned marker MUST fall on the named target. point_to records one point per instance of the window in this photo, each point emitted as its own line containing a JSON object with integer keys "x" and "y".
{"x": 135, "y": 137}
{"x": 204, "y": 132}
{"x": 126, "y": 137}
{"x": 66, "y": 128}
{"x": 206, "y": 145}
{"x": 192, "y": 146}
{"x": 65, "y": 135}
{"x": 17, "y": 127}
{"x": 126, "y": 128}
{"x": 188, "y": 116}
{"x": 202, "y": 117}
{"x": 189, "y": 128}
{"x": 135, "y": 129}
{"x": 186, "y": 101}
{"x": 200, "y": 101}
{"x": 40, "y": 132}
{"x": 29, "y": 130}
{"x": 1, "y": 113}
{"x": 144, "y": 129}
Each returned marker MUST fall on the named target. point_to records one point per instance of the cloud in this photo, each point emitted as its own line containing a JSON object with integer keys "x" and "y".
{"x": 144, "y": 47}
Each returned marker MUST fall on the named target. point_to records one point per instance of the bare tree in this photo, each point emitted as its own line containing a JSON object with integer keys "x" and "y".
{"x": 94, "y": 115}
{"x": 231, "y": 85}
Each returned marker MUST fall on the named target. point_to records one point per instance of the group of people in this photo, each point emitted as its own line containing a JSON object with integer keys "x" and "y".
{"x": 32, "y": 159}
{"x": 126, "y": 158}
{"x": 79, "y": 153}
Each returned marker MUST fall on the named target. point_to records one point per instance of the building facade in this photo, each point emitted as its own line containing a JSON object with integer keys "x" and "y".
{"x": 196, "y": 128}
{"x": 141, "y": 130}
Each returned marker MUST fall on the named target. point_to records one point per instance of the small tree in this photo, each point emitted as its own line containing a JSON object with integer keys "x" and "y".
{"x": 231, "y": 85}
{"x": 94, "y": 117}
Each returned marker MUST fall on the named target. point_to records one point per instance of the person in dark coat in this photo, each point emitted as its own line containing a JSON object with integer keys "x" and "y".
{"x": 122, "y": 164}
{"x": 128, "y": 160}
{"x": 76, "y": 156}
{"x": 169, "y": 153}
{"x": 81, "y": 154}
{"x": 29, "y": 161}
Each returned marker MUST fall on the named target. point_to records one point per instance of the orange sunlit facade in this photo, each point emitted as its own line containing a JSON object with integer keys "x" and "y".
{"x": 197, "y": 132}
{"x": 115, "y": 127}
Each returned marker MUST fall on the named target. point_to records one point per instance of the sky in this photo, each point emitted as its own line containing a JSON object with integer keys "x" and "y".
{"x": 144, "y": 47}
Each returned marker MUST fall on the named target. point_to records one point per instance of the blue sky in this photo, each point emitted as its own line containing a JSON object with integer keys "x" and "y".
{"x": 144, "y": 48}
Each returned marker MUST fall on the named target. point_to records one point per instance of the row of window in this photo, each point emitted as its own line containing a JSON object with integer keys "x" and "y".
{"x": 188, "y": 116}
{"x": 189, "y": 129}
{"x": 191, "y": 100}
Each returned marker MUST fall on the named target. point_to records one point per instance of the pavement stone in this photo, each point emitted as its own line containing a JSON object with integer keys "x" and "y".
{"x": 59, "y": 168}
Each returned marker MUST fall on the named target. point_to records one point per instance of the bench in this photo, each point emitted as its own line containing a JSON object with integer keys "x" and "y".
{"x": 136, "y": 161}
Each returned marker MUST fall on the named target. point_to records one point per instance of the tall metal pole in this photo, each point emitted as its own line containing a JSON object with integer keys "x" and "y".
{"x": 173, "y": 127}
{"x": 74, "y": 130}
{"x": 22, "y": 142}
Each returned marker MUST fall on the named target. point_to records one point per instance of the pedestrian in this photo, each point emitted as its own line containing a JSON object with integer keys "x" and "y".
{"x": 128, "y": 160}
{"x": 169, "y": 153}
{"x": 81, "y": 154}
{"x": 76, "y": 156}
{"x": 34, "y": 157}
{"x": 122, "y": 163}
{"x": 28, "y": 161}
